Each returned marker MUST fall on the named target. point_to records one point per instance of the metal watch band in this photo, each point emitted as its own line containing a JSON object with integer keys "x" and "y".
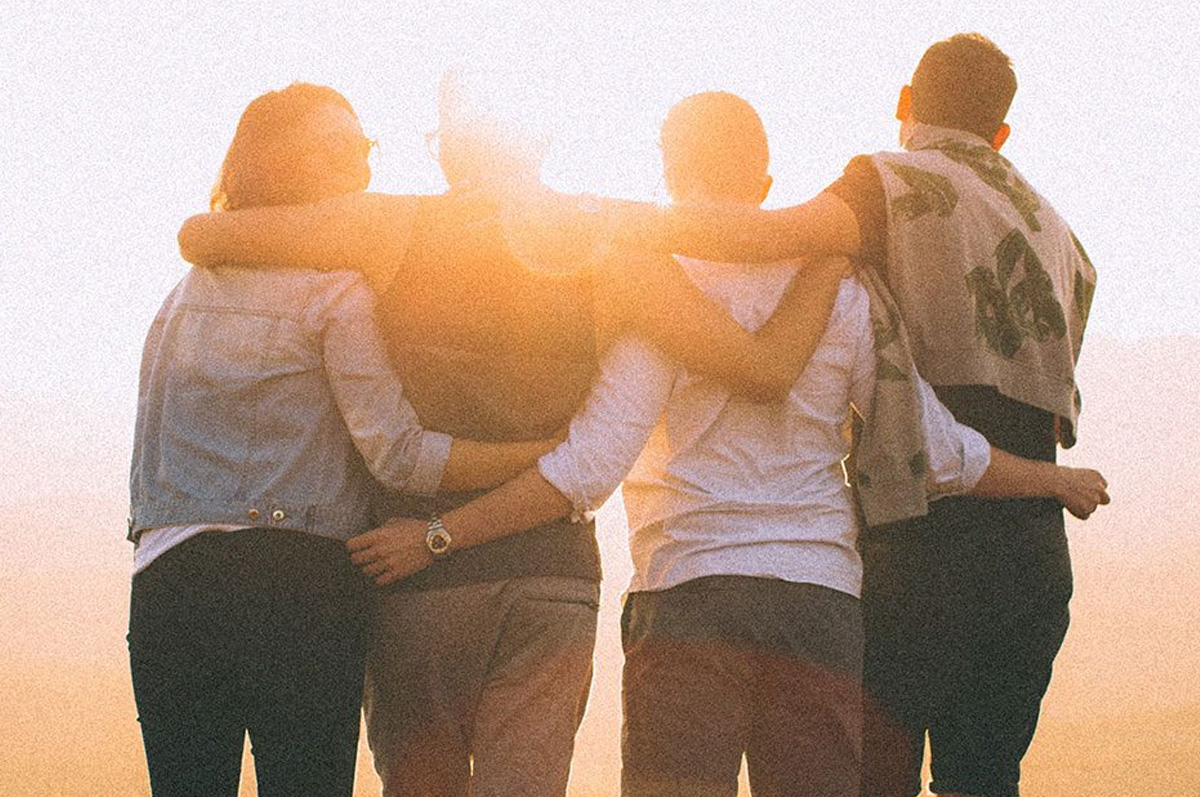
{"x": 437, "y": 539}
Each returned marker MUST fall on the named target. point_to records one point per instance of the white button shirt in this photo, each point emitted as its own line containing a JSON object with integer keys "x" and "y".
{"x": 726, "y": 486}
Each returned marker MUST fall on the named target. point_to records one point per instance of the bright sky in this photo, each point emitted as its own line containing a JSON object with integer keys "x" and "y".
{"x": 115, "y": 118}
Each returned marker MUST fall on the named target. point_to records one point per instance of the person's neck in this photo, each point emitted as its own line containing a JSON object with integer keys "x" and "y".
{"x": 920, "y": 135}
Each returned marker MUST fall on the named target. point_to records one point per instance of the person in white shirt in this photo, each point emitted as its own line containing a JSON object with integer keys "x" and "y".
{"x": 742, "y": 629}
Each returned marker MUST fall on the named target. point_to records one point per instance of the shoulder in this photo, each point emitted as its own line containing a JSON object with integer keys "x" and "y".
{"x": 859, "y": 181}
{"x": 854, "y": 308}
{"x": 337, "y": 292}
{"x": 851, "y": 314}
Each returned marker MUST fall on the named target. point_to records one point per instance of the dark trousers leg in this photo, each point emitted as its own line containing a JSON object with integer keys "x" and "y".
{"x": 254, "y": 630}
{"x": 725, "y": 665}
{"x": 963, "y": 622}
{"x": 185, "y": 676}
{"x": 686, "y": 716}
{"x": 806, "y": 738}
{"x": 308, "y": 677}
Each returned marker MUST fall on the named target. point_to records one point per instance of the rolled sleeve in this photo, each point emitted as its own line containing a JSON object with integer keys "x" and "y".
{"x": 958, "y": 455}
{"x": 431, "y": 462}
{"x": 385, "y": 428}
{"x": 607, "y": 434}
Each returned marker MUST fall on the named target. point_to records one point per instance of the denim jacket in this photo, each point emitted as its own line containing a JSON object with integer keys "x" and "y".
{"x": 267, "y": 399}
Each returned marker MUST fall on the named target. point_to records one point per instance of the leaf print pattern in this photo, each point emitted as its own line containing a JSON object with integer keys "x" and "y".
{"x": 1005, "y": 316}
{"x": 887, "y": 331}
{"x": 1084, "y": 288}
{"x": 931, "y": 193}
{"x": 995, "y": 171}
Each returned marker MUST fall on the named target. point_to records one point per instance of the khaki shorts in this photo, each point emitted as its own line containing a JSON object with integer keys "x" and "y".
{"x": 480, "y": 687}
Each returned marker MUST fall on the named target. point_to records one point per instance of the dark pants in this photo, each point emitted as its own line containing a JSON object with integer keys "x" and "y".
{"x": 258, "y": 631}
{"x": 725, "y": 665}
{"x": 964, "y": 613}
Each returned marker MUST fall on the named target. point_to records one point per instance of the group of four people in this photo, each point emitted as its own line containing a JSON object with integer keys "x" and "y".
{"x": 345, "y": 358}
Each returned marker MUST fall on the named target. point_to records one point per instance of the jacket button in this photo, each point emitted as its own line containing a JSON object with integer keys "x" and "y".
{"x": 252, "y": 514}
{"x": 278, "y": 515}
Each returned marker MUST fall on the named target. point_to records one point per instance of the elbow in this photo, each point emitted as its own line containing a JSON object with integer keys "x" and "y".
{"x": 187, "y": 239}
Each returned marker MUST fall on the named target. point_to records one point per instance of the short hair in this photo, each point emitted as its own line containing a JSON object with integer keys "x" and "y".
{"x": 267, "y": 164}
{"x": 488, "y": 122}
{"x": 715, "y": 139}
{"x": 965, "y": 82}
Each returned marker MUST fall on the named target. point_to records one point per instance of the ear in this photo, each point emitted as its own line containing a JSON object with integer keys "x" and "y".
{"x": 768, "y": 181}
{"x": 904, "y": 104}
{"x": 1001, "y": 136}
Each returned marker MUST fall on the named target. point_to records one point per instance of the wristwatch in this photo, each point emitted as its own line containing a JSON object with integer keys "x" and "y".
{"x": 437, "y": 539}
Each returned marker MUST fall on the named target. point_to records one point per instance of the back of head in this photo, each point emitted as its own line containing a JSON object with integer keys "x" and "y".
{"x": 714, "y": 147}
{"x": 487, "y": 125}
{"x": 965, "y": 82}
{"x": 293, "y": 146}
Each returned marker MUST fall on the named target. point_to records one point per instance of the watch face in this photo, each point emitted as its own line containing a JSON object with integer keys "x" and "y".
{"x": 439, "y": 542}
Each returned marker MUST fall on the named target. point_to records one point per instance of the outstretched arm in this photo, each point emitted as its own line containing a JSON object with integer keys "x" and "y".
{"x": 1080, "y": 490}
{"x": 364, "y": 232}
{"x": 650, "y": 295}
{"x": 382, "y": 422}
{"x": 825, "y": 225}
{"x": 605, "y": 438}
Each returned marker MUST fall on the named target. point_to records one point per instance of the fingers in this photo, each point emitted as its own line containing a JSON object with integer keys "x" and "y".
{"x": 389, "y": 577}
{"x": 363, "y": 557}
{"x": 376, "y": 568}
{"x": 365, "y": 540}
{"x": 1085, "y": 490}
{"x": 391, "y": 552}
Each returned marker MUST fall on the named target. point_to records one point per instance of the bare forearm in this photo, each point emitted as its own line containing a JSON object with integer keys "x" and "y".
{"x": 474, "y": 465}
{"x": 1080, "y": 490}
{"x": 520, "y": 504}
{"x": 366, "y": 232}
{"x": 653, "y": 297}
{"x": 790, "y": 337}
{"x": 736, "y": 233}
{"x": 1010, "y": 476}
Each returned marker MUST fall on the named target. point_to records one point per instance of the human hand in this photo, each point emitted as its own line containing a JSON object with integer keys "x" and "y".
{"x": 1081, "y": 490}
{"x": 391, "y": 552}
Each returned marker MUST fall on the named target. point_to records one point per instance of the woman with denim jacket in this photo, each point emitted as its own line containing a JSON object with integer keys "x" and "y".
{"x": 266, "y": 405}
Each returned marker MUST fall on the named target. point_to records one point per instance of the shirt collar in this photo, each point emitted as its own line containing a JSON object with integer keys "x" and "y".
{"x": 925, "y": 136}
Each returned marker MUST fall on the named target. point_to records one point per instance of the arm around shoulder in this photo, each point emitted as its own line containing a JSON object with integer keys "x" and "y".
{"x": 364, "y": 232}
{"x": 651, "y": 295}
{"x": 823, "y": 226}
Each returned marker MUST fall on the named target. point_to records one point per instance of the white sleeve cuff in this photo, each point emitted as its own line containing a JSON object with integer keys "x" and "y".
{"x": 426, "y": 475}
{"x": 977, "y": 456}
{"x": 556, "y": 467}
{"x": 957, "y": 454}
